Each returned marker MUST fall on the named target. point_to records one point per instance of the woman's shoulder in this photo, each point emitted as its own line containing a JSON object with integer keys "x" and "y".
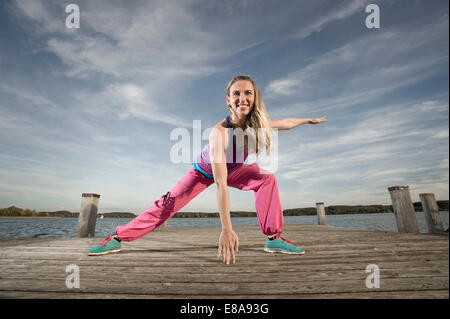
{"x": 219, "y": 131}
{"x": 221, "y": 124}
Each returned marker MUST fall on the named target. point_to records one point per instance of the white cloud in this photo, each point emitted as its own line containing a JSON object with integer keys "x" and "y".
{"x": 39, "y": 12}
{"x": 30, "y": 97}
{"x": 386, "y": 146}
{"x": 354, "y": 73}
{"x": 86, "y": 55}
{"x": 127, "y": 41}
{"x": 380, "y": 125}
{"x": 158, "y": 47}
{"x": 134, "y": 100}
{"x": 340, "y": 13}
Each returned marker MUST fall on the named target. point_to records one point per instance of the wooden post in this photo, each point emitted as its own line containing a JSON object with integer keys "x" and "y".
{"x": 431, "y": 211}
{"x": 88, "y": 215}
{"x": 320, "y": 213}
{"x": 161, "y": 227}
{"x": 403, "y": 209}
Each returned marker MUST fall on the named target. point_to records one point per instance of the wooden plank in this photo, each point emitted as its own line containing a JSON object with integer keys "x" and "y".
{"x": 327, "y": 247}
{"x": 423, "y": 294}
{"x": 227, "y": 288}
{"x": 180, "y": 262}
{"x": 178, "y": 275}
{"x": 243, "y": 253}
{"x": 216, "y": 265}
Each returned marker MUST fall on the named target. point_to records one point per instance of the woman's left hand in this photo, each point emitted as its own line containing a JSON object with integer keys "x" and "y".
{"x": 317, "y": 120}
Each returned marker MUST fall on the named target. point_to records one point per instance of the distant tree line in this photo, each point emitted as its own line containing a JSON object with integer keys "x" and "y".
{"x": 358, "y": 209}
{"x": 14, "y": 211}
{"x": 330, "y": 210}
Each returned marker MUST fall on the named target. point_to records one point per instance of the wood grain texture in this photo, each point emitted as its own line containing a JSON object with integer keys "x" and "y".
{"x": 180, "y": 262}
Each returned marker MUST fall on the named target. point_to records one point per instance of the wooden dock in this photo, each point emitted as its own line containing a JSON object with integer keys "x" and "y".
{"x": 180, "y": 262}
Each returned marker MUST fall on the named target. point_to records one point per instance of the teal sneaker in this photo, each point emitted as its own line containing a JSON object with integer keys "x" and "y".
{"x": 110, "y": 245}
{"x": 281, "y": 245}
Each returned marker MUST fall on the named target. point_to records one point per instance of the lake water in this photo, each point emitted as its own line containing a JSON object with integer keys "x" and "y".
{"x": 67, "y": 227}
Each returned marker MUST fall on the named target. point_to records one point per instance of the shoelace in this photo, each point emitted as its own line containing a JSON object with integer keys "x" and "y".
{"x": 282, "y": 238}
{"x": 286, "y": 240}
{"x": 107, "y": 240}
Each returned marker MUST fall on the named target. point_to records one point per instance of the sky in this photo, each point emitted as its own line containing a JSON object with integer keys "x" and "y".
{"x": 91, "y": 109}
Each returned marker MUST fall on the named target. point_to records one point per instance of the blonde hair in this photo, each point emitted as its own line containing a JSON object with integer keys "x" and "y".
{"x": 258, "y": 119}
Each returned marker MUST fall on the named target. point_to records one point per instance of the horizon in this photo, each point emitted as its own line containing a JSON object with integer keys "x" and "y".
{"x": 91, "y": 109}
{"x": 216, "y": 212}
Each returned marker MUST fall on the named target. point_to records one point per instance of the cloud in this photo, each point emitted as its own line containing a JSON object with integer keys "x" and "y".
{"x": 354, "y": 73}
{"x": 392, "y": 144}
{"x": 341, "y": 12}
{"x": 26, "y": 107}
{"x": 28, "y": 96}
{"x": 123, "y": 41}
{"x": 154, "y": 47}
{"x": 86, "y": 55}
{"x": 385, "y": 123}
{"x": 140, "y": 105}
{"x": 41, "y": 13}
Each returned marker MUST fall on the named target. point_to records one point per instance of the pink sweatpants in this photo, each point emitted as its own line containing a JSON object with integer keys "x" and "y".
{"x": 246, "y": 177}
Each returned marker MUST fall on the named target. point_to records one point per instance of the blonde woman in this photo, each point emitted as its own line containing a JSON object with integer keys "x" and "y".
{"x": 222, "y": 163}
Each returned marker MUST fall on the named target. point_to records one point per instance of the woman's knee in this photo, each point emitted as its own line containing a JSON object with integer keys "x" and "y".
{"x": 269, "y": 177}
{"x": 166, "y": 203}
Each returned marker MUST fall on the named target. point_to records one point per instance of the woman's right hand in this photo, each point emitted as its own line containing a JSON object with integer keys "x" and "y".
{"x": 228, "y": 243}
{"x": 317, "y": 121}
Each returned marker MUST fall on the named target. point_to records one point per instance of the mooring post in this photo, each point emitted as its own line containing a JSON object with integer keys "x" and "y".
{"x": 405, "y": 214}
{"x": 320, "y": 213}
{"x": 88, "y": 215}
{"x": 431, "y": 212}
{"x": 161, "y": 227}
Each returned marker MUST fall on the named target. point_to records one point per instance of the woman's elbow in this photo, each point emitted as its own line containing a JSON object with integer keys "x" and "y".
{"x": 285, "y": 124}
{"x": 289, "y": 124}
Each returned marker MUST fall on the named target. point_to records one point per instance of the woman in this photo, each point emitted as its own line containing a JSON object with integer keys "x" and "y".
{"x": 224, "y": 166}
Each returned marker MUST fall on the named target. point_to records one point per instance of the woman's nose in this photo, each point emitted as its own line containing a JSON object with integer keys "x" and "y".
{"x": 242, "y": 98}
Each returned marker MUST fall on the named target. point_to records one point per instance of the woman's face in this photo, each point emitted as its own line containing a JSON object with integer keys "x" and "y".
{"x": 242, "y": 97}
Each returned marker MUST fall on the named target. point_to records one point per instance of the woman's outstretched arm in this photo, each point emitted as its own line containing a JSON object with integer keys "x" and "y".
{"x": 289, "y": 123}
{"x": 228, "y": 240}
